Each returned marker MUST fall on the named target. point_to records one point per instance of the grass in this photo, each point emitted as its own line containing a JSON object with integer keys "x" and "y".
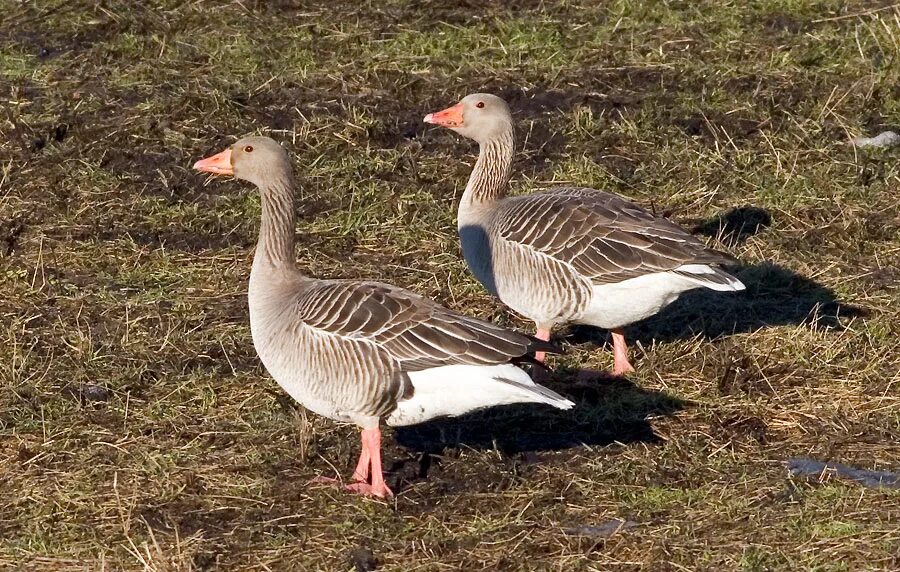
{"x": 139, "y": 432}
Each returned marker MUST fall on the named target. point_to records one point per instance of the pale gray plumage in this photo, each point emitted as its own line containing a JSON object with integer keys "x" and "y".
{"x": 357, "y": 341}
{"x": 568, "y": 254}
{"x": 362, "y": 351}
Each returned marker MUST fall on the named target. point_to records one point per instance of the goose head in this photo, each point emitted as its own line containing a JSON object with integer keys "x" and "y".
{"x": 480, "y": 116}
{"x": 258, "y": 160}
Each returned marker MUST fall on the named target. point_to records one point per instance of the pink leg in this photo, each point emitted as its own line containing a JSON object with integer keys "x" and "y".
{"x": 371, "y": 449}
{"x": 361, "y": 473}
{"x": 621, "y": 364}
{"x": 541, "y": 334}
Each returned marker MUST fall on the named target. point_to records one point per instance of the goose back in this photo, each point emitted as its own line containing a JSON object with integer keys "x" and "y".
{"x": 600, "y": 235}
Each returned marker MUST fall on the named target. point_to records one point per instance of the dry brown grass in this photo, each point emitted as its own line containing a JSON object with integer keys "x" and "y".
{"x": 138, "y": 432}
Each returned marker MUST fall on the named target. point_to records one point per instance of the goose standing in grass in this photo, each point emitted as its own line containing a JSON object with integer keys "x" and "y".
{"x": 569, "y": 254}
{"x": 359, "y": 351}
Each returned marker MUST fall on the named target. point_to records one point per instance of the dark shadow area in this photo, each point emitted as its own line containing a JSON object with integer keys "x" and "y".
{"x": 712, "y": 126}
{"x": 735, "y": 225}
{"x": 606, "y": 91}
{"x": 611, "y": 410}
{"x": 775, "y": 296}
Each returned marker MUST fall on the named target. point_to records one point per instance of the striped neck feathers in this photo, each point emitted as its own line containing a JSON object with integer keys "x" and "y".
{"x": 490, "y": 177}
{"x": 276, "y": 231}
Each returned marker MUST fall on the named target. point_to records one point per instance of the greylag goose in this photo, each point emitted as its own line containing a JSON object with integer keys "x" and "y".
{"x": 358, "y": 351}
{"x": 569, "y": 254}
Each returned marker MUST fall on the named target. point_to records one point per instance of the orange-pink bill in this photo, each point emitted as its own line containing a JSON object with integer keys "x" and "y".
{"x": 450, "y": 117}
{"x": 220, "y": 164}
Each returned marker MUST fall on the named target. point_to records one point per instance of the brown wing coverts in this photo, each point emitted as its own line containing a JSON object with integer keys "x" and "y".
{"x": 604, "y": 237}
{"x": 414, "y": 332}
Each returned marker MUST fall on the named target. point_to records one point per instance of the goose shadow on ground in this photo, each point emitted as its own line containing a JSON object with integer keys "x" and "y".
{"x": 613, "y": 411}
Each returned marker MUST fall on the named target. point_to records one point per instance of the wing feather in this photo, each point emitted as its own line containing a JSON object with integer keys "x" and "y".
{"x": 404, "y": 329}
{"x": 602, "y": 236}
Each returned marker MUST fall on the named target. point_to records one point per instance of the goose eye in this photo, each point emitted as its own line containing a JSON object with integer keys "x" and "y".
{"x": 248, "y": 149}
{"x": 479, "y": 105}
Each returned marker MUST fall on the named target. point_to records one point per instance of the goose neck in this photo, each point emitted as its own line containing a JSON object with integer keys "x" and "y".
{"x": 276, "y": 233}
{"x": 490, "y": 176}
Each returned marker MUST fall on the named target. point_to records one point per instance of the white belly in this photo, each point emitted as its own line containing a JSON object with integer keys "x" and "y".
{"x": 454, "y": 390}
{"x": 623, "y": 303}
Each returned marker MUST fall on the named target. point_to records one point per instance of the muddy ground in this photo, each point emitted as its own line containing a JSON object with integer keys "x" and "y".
{"x": 139, "y": 432}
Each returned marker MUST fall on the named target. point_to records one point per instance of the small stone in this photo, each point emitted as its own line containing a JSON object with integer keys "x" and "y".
{"x": 85, "y": 393}
{"x": 602, "y": 530}
{"x": 362, "y": 559}
{"x": 822, "y": 470}
{"x": 92, "y": 392}
{"x": 883, "y": 140}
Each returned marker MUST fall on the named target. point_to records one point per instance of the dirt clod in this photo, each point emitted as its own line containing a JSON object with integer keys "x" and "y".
{"x": 362, "y": 559}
